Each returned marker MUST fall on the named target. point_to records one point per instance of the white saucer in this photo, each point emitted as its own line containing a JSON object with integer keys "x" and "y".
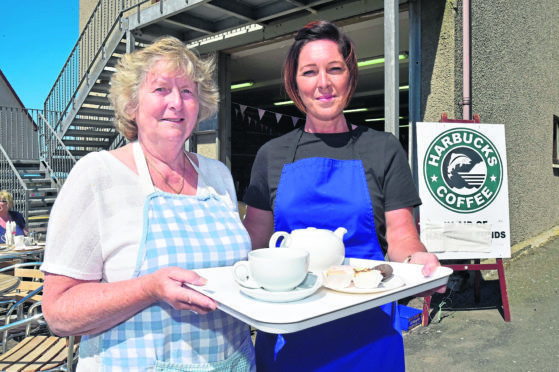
{"x": 310, "y": 285}
{"x": 385, "y": 285}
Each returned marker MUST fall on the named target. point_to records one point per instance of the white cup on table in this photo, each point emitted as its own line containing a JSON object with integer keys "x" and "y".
{"x": 19, "y": 241}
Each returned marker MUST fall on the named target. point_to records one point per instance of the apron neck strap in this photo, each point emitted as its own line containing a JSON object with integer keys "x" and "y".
{"x": 143, "y": 171}
{"x": 294, "y": 145}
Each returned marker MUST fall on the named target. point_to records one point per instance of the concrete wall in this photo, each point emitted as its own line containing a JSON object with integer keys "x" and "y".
{"x": 86, "y": 8}
{"x": 515, "y": 82}
{"x": 7, "y": 98}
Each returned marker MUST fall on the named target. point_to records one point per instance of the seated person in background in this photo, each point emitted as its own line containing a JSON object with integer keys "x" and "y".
{"x": 7, "y": 215}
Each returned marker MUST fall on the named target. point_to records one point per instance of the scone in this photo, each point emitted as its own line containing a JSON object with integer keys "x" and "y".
{"x": 338, "y": 276}
{"x": 366, "y": 278}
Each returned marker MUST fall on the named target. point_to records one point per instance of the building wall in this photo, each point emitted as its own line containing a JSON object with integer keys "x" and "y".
{"x": 7, "y": 98}
{"x": 515, "y": 82}
{"x": 86, "y": 8}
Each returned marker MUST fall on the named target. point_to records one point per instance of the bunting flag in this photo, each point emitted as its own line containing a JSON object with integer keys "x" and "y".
{"x": 261, "y": 112}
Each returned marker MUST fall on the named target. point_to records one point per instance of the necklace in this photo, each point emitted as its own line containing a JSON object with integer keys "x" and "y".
{"x": 165, "y": 180}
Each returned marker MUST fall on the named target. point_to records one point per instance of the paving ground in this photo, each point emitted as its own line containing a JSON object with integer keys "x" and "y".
{"x": 465, "y": 336}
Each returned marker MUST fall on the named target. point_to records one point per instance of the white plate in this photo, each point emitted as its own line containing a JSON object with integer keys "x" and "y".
{"x": 310, "y": 285}
{"x": 388, "y": 284}
{"x": 27, "y": 248}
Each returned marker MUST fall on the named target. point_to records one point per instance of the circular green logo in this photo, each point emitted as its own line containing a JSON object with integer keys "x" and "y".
{"x": 463, "y": 170}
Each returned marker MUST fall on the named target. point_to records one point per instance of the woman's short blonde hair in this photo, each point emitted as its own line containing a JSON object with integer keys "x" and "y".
{"x": 131, "y": 72}
{"x": 7, "y": 196}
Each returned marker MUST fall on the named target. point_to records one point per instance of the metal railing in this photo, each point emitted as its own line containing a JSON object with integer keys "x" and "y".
{"x": 55, "y": 155}
{"x": 18, "y": 133}
{"x": 13, "y": 183}
{"x": 26, "y": 134}
{"x": 89, "y": 48}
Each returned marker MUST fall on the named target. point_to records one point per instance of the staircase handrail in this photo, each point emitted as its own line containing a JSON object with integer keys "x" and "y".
{"x": 19, "y": 187}
{"x": 47, "y": 151}
{"x": 86, "y": 38}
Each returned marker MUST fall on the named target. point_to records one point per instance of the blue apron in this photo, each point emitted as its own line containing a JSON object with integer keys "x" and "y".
{"x": 328, "y": 193}
{"x": 191, "y": 232}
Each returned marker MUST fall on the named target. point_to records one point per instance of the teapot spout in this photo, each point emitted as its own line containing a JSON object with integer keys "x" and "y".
{"x": 340, "y": 232}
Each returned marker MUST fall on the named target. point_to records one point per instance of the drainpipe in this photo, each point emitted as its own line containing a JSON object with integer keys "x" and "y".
{"x": 467, "y": 61}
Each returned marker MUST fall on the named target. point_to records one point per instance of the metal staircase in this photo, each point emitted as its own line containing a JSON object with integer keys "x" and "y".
{"x": 116, "y": 27}
{"x": 26, "y": 167}
{"x": 40, "y": 193}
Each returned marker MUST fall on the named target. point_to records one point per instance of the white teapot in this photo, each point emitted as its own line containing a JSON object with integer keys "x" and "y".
{"x": 326, "y": 248}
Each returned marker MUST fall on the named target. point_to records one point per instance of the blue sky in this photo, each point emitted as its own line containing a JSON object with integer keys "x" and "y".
{"x": 36, "y": 38}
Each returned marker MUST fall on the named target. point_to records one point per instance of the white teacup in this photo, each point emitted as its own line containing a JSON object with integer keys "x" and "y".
{"x": 273, "y": 269}
{"x": 19, "y": 241}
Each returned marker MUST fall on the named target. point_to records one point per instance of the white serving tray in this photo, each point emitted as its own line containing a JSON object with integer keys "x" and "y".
{"x": 323, "y": 306}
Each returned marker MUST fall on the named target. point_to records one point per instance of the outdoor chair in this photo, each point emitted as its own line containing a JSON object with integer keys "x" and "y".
{"x": 39, "y": 350}
{"x": 30, "y": 277}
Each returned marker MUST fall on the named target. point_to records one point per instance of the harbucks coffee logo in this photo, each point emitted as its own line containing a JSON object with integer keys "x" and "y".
{"x": 463, "y": 170}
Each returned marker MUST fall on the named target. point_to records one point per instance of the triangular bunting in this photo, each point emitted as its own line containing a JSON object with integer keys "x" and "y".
{"x": 278, "y": 118}
{"x": 295, "y": 120}
{"x": 261, "y": 113}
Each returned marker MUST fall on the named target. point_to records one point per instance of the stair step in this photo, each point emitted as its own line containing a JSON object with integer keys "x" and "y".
{"x": 100, "y": 88}
{"x": 43, "y": 199}
{"x": 105, "y": 75}
{"x": 36, "y": 182}
{"x": 97, "y": 100}
{"x": 96, "y": 112}
{"x": 79, "y": 122}
{"x": 79, "y": 153}
{"x": 29, "y": 172}
{"x": 90, "y": 133}
{"x": 41, "y": 228}
{"x": 26, "y": 163}
{"x": 121, "y": 48}
{"x": 42, "y": 190}
{"x": 38, "y": 212}
{"x": 113, "y": 60}
{"x": 86, "y": 144}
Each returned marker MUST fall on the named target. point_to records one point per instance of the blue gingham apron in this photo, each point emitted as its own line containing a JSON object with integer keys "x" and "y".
{"x": 189, "y": 232}
{"x": 310, "y": 189}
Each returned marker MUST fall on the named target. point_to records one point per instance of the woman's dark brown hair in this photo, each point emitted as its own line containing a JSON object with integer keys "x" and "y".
{"x": 318, "y": 30}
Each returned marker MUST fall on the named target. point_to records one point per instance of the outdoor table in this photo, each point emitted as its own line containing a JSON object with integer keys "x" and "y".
{"x": 31, "y": 252}
{"x": 8, "y": 283}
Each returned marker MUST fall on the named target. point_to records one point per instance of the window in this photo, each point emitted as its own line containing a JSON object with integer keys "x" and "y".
{"x": 555, "y": 158}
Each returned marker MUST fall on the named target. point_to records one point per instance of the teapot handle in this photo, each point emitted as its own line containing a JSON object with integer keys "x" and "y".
{"x": 276, "y": 236}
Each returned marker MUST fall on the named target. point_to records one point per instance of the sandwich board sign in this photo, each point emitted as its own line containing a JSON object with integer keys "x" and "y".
{"x": 463, "y": 184}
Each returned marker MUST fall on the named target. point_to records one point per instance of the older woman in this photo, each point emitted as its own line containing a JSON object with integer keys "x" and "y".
{"x": 330, "y": 174}
{"x": 9, "y": 215}
{"x": 130, "y": 225}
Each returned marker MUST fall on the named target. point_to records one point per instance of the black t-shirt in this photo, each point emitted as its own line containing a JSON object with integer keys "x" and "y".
{"x": 386, "y": 167}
